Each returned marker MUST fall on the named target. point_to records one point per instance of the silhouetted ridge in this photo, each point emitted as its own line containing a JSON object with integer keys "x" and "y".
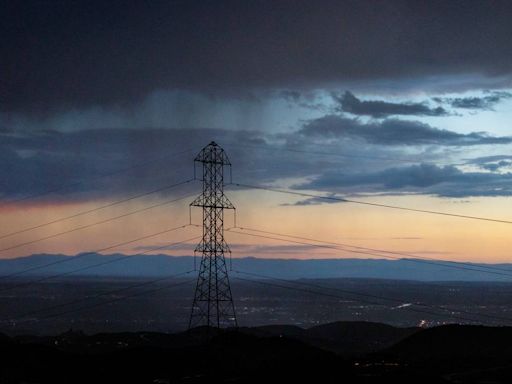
{"x": 456, "y": 342}
{"x": 275, "y": 330}
{"x": 229, "y": 356}
{"x": 343, "y": 337}
{"x": 358, "y": 337}
{"x": 283, "y": 353}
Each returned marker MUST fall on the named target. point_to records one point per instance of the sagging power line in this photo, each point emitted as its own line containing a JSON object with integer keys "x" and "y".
{"x": 88, "y": 267}
{"x": 166, "y": 202}
{"x": 67, "y": 260}
{"x": 451, "y": 313}
{"x": 88, "y": 307}
{"x": 344, "y": 200}
{"x": 102, "y": 294}
{"x": 95, "y": 209}
{"x": 108, "y": 174}
{"x": 301, "y": 150}
{"x": 372, "y": 252}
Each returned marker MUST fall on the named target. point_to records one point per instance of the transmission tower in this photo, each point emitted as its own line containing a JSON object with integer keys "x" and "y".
{"x": 213, "y": 303}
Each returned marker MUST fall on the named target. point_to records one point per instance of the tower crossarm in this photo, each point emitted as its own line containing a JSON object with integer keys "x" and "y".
{"x": 206, "y": 202}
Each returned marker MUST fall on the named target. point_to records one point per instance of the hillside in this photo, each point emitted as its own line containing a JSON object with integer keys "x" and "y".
{"x": 452, "y": 353}
{"x": 344, "y": 337}
{"x": 159, "y": 358}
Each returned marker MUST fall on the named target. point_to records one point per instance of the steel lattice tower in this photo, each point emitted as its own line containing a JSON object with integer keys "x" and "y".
{"x": 213, "y": 303}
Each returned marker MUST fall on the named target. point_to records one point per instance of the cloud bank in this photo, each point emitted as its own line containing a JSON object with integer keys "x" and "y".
{"x": 486, "y": 102}
{"x": 443, "y": 181}
{"x": 376, "y": 108}
{"x": 394, "y": 132}
{"x": 72, "y": 54}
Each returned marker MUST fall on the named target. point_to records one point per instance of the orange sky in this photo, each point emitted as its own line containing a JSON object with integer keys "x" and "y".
{"x": 424, "y": 235}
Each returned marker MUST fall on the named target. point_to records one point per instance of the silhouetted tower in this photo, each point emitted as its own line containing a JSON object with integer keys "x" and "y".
{"x": 213, "y": 303}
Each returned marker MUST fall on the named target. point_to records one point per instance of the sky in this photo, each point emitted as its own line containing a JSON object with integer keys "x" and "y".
{"x": 399, "y": 103}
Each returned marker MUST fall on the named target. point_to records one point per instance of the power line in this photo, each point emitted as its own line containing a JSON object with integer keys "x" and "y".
{"x": 51, "y": 277}
{"x": 369, "y": 253}
{"x": 338, "y": 246}
{"x": 94, "y": 224}
{"x": 451, "y": 315}
{"x": 398, "y": 301}
{"x": 342, "y": 297}
{"x": 122, "y": 298}
{"x": 81, "y": 213}
{"x": 49, "y": 191}
{"x": 323, "y": 153}
{"x": 380, "y": 297}
{"x": 73, "y": 302}
{"x": 66, "y": 260}
{"x": 333, "y": 198}
{"x": 420, "y": 259}
{"x": 84, "y": 308}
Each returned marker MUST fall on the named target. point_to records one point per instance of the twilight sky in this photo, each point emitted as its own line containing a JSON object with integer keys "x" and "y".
{"x": 397, "y": 102}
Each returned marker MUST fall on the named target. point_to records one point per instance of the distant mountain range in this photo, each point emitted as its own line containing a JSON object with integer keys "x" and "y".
{"x": 163, "y": 265}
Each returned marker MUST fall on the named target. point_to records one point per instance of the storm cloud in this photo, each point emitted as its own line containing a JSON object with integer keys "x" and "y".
{"x": 138, "y": 160}
{"x": 486, "y": 102}
{"x": 133, "y": 160}
{"x": 377, "y": 108}
{"x": 443, "y": 181}
{"x": 63, "y": 54}
{"x": 117, "y": 162}
{"x": 394, "y": 132}
{"x": 492, "y": 163}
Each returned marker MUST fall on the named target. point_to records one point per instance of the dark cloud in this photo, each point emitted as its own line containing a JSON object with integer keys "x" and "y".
{"x": 307, "y": 100}
{"x": 484, "y": 102}
{"x": 496, "y": 166}
{"x": 447, "y": 181}
{"x": 394, "y": 132}
{"x": 58, "y": 54}
{"x": 424, "y": 175}
{"x": 313, "y": 201}
{"x": 492, "y": 163}
{"x": 376, "y": 108}
{"x": 37, "y": 162}
{"x": 291, "y": 96}
{"x": 488, "y": 159}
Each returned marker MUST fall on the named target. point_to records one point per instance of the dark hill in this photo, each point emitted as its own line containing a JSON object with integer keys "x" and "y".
{"x": 156, "y": 358}
{"x": 275, "y": 330}
{"x": 452, "y": 353}
{"x": 458, "y": 353}
{"x": 347, "y": 338}
{"x": 456, "y": 341}
{"x": 351, "y": 337}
